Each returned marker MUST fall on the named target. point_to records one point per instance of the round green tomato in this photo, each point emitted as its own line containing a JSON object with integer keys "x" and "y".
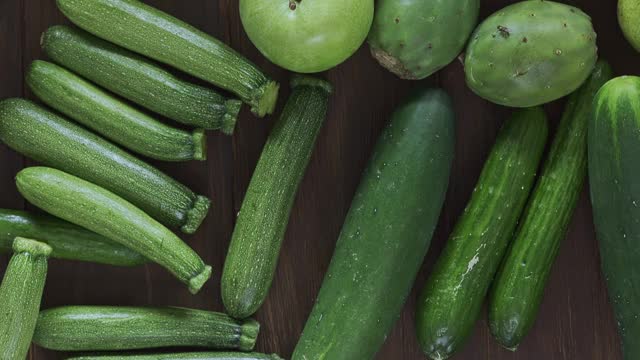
{"x": 307, "y": 36}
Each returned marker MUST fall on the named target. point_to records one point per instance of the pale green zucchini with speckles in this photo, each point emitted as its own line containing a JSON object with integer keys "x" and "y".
{"x": 96, "y": 209}
{"x": 20, "y": 297}
{"x": 186, "y": 356}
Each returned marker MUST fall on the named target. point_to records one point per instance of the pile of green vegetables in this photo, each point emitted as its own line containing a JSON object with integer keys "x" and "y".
{"x": 107, "y": 87}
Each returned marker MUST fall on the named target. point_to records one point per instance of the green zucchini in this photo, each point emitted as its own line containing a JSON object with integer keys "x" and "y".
{"x": 614, "y": 150}
{"x": 104, "y": 328}
{"x": 452, "y": 299}
{"x": 68, "y": 241}
{"x": 186, "y": 356}
{"x": 139, "y": 79}
{"x": 253, "y": 253}
{"x": 519, "y": 286}
{"x": 112, "y": 118}
{"x": 20, "y": 297}
{"x": 386, "y": 233}
{"x": 96, "y": 209}
{"x": 148, "y": 31}
{"x": 56, "y": 142}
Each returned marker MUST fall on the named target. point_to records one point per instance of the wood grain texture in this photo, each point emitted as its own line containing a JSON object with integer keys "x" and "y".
{"x": 575, "y": 320}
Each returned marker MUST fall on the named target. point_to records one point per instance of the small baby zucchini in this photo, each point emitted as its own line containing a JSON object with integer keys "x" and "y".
{"x": 104, "y": 328}
{"x": 112, "y": 118}
{"x": 94, "y": 208}
{"x": 68, "y": 241}
{"x": 20, "y": 297}
{"x": 140, "y": 80}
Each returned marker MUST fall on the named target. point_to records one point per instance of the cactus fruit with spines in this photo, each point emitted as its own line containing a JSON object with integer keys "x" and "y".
{"x": 531, "y": 53}
{"x": 413, "y": 39}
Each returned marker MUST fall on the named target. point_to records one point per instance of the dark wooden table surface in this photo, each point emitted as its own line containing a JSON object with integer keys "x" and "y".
{"x": 575, "y": 321}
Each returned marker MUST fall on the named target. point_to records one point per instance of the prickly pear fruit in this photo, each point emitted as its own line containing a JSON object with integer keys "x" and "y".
{"x": 531, "y": 53}
{"x": 415, "y": 38}
{"x": 628, "y": 15}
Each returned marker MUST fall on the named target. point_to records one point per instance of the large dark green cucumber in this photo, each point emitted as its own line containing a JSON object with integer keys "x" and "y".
{"x": 148, "y": 31}
{"x": 519, "y": 285}
{"x": 386, "y": 233}
{"x": 68, "y": 241}
{"x": 452, "y": 299}
{"x": 96, "y": 209}
{"x": 614, "y": 174}
{"x": 56, "y": 142}
{"x": 96, "y": 328}
{"x": 139, "y": 79}
{"x": 186, "y": 356}
{"x": 255, "y": 245}
{"x": 20, "y": 297}
{"x": 112, "y": 118}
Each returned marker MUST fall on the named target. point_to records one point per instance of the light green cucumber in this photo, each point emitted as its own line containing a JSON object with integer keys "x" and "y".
{"x": 112, "y": 118}
{"x": 255, "y": 246}
{"x": 519, "y": 285}
{"x": 148, "y": 31}
{"x": 104, "y": 328}
{"x": 386, "y": 233}
{"x": 56, "y": 142}
{"x": 20, "y": 297}
{"x": 452, "y": 299}
{"x": 68, "y": 241}
{"x": 139, "y": 79}
{"x": 186, "y": 356}
{"x": 96, "y": 209}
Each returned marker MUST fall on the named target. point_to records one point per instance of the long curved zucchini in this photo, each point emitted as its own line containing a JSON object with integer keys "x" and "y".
{"x": 68, "y": 241}
{"x": 56, "y": 142}
{"x": 96, "y": 209}
{"x": 98, "y": 328}
{"x": 614, "y": 150}
{"x": 20, "y": 297}
{"x": 148, "y": 31}
{"x": 452, "y": 299}
{"x": 386, "y": 233}
{"x": 186, "y": 356}
{"x": 139, "y": 79}
{"x": 112, "y": 118}
{"x": 255, "y": 246}
{"x": 519, "y": 286}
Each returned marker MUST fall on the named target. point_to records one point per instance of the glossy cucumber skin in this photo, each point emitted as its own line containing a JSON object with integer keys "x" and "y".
{"x": 159, "y": 36}
{"x": 104, "y": 328}
{"x": 96, "y": 209}
{"x": 518, "y": 288}
{"x": 186, "y": 356}
{"x": 20, "y": 297}
{"x": 452, "y": 298}
{"x": 386, "y": 233}
{"x": 139, "y": 79}
{"x": 56, "y": 142}
{"x": 614, "y": 150}
{"x": 112, "y": 118}
{"x": 68, "y": 241}
{"x": 255, "y": 246}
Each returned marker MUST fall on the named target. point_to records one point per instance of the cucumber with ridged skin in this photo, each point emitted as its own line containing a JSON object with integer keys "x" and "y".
{"x": 386, "y": 233}
{"x": 186, "y": 356}
{"x": 105, "y": 328}
{"x": 452, "y": 299}
{"x": 114, "y": 68}
{"x": 141, "y": 28}
{"x": 518, "y": 288}
{"x": 56, "y": 142}
{"x": 67, "y": 240}
{"x": 255, "y": 246}
{"x": 413, "y": 38}
{"x": 96, "y": 209}
{"x": 20, "y": 297}
{"x": 112, "y": 118}
{"x": 614, "y": 150}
